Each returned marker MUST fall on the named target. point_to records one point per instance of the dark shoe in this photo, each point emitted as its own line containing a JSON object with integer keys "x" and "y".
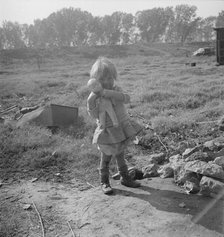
{"x": 126, "y": 178}
{"x": 130, "y": 183}
{"x": 106, "y": 188}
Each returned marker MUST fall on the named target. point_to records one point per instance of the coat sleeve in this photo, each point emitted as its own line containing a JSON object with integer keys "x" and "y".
{"x": 117, "y": 94}
{"x": 92, "y": 106}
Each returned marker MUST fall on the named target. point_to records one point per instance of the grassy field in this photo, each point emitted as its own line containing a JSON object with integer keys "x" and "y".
{"x": 179, "y": 101}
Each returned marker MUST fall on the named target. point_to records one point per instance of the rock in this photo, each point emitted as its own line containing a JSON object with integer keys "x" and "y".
{"x": 142, "y": 161}
{"x": 192, "y": 186}
{"x": 176, "y": 161}
{"x": 219, "y": 142}
{"x": 198, "y": 155}
{"x": 214, "y": 145}
{"x": 217, "y": 154}
{"x": 219, "y": 161}
{"x": 157, "y": 158}
{"x": 181, "y": 175}
{"x": 165, "y": 171}
{"x": 190, "y": 151}
{"x": 133, "y": 172}
{"x": 209, "y": 145}
{"x": 150, "y": 171}
{"x": 209, "y": 185}
{"x": 208, "y": 169}
{"x": 175, "y": 158}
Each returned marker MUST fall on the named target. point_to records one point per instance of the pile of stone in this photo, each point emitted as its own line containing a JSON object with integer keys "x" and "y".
{"x": 198, "y": 170}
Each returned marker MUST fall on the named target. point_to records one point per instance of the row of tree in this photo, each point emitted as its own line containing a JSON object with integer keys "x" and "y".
{"x": 74, "y": 27}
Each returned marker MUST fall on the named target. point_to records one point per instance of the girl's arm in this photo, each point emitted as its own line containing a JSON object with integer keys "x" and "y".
{"x": 92, "y": 107}
{"x": 116, "y": 94}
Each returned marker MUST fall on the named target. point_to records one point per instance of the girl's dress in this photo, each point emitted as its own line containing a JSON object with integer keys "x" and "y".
{"x": 113, "y": 140}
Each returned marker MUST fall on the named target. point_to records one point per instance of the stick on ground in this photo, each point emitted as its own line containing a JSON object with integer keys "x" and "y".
{"x": 73, "y": 234}
{"x": 41, "y": 222}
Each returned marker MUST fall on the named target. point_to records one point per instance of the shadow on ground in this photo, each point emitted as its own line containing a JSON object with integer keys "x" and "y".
{"x": 205, "y": 211}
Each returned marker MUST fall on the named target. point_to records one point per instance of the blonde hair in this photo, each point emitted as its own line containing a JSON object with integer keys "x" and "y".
{"x": 103, "y": 67}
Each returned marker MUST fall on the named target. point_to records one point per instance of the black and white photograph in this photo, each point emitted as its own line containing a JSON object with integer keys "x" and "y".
{"x": 111, "y": 118}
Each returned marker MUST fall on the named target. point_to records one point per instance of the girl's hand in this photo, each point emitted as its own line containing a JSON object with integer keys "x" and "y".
{"x": 100, "y": 93}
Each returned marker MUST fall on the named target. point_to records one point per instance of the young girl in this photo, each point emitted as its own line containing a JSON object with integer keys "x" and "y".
{"x": 111, "y": 140}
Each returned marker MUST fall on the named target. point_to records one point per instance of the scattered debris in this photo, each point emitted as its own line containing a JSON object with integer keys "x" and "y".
{"x": 90, "y": 185}
{"x": 28, "y": 109}
{"x": 87, "y": 223}
{"x": 57, "y": 174}
{"x": 27, "y": 207}
{"x": 11, "y": 108}
{"x": 43, "y": 190}
{"x": 55, "y": 153}
{"x": 182, "y": 205}
{"x": 57, "y": 197}
{"x": 204, "y": 51}
{"x": 33, "y": 180}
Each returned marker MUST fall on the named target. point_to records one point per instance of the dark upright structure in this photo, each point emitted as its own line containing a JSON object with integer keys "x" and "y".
{"x": 220, "y": 45}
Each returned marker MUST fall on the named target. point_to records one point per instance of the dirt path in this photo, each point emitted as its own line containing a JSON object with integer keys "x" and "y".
{"x": 152, "y": 210}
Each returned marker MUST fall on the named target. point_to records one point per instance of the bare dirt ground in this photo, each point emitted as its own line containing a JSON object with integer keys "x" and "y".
{"x": 74, "y": 209}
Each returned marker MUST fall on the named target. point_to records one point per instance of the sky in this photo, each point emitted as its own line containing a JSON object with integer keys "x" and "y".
{"x": 26, "y": 11}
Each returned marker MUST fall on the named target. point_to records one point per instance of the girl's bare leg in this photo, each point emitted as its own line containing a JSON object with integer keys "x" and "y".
{"x": 104, "y": 173}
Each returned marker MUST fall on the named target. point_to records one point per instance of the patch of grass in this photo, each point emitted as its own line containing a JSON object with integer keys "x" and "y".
{"x": 194, "y": 103}
{"x": 156, "y": 96}
{"x": 83, "y": 92}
